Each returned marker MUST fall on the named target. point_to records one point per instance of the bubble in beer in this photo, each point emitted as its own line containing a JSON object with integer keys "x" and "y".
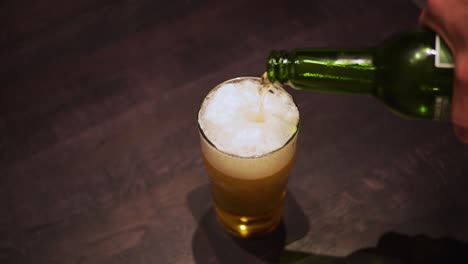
{"x": 240, "y": 119}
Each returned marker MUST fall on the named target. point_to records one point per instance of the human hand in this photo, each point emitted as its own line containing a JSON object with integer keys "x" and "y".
{"x": 448, "y": 18}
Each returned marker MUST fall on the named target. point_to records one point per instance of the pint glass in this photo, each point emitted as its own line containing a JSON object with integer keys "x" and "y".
{"x": 248, "y": 192}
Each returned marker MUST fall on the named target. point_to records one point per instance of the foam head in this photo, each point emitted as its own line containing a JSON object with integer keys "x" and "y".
{"x": 232, "y": 120}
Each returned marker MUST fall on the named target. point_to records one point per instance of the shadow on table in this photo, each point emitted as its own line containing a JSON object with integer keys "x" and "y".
{"x": 211, "y": 244}
{"x": 393, "y": 248}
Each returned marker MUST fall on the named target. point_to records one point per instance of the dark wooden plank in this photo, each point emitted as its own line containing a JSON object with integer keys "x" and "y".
{"x": 22, "y": 20}
{"x": 99, "y": 147}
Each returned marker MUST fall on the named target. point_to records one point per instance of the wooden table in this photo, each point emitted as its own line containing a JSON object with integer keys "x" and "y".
{"x": 99, "y": 149}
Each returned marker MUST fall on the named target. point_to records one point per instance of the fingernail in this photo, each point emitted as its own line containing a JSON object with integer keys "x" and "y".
{"x": 462, "y": 133}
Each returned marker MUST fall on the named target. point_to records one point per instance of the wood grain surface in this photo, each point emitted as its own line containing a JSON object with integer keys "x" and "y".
{"x": 99, "y": 149}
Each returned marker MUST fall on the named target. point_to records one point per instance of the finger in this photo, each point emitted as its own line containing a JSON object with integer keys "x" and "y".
{"x": 460, "y": 98}
{"x": 423, "y": 18}
{"x": 428, "y": 20}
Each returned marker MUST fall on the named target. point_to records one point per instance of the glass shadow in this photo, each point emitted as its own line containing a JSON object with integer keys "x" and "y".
{"x": 211, "y": 244}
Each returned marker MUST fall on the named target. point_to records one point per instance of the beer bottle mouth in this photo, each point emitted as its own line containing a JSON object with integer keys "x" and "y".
{"x": 277, "y": 66}
{"x": 205, "y": 137}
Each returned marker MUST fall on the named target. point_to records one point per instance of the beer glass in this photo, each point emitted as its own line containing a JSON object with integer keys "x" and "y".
{"x": 248, "y": 192}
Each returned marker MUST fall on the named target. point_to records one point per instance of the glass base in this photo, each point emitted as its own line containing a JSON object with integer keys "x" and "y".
{"x": 248, "y": 226}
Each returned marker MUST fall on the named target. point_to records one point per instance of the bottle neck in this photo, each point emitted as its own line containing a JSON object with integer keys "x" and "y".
{"x": 333, "y": 70}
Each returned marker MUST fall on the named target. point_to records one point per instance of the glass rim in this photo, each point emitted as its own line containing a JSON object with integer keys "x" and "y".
{"x": 200, "y": 130}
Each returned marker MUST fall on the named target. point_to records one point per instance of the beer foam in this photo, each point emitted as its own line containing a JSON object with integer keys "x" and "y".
{"x": 229, "y": 118}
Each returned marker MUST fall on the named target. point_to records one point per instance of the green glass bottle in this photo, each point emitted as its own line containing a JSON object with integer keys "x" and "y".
{"x": 411, "y": 73}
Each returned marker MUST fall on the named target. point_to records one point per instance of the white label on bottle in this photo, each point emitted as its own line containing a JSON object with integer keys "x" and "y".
{"x": 443, "y": 58}
{"x": 442, "y": 108}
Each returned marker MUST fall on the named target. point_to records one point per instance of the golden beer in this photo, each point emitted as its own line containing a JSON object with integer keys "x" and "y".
{"x": 248, "y": 190}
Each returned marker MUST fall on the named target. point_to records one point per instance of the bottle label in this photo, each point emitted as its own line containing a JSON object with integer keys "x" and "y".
{"x": 443, "y": 58}
{"x": 442, "y": 108}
